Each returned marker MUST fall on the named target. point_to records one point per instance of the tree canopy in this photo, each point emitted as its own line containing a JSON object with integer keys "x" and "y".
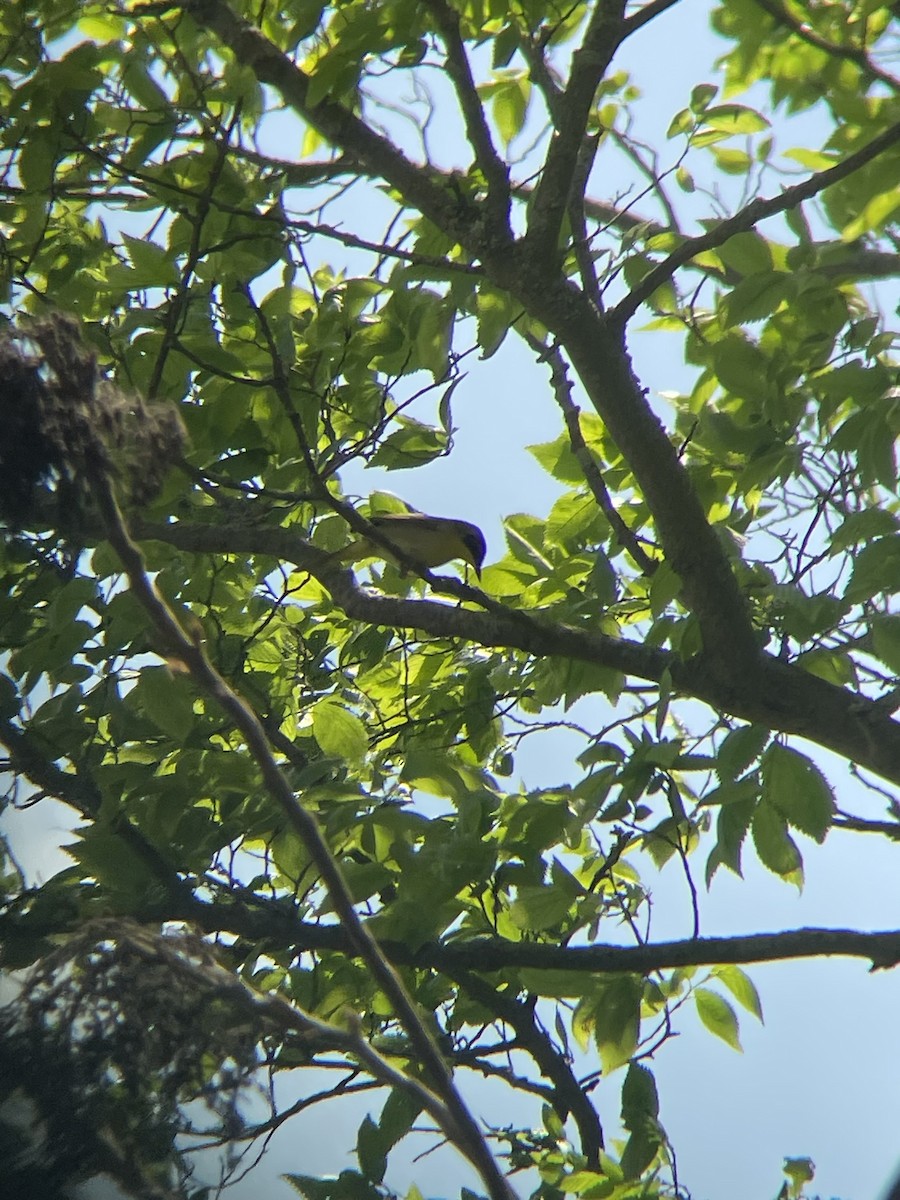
{"x": 250, "y": 251}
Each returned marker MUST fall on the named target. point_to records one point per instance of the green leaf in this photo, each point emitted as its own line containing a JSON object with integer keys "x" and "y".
{"x": 861, "y": 527}
{"x": 558, "y": 460}
{"x": 556, "y": 985}
{"x": 590, "y": 1184}
{"x": 799, "y": 1171}
{"x": 701, "y": 95}
{"x": 734, "y": 118}
{"x": 410, "y": 446}
{"x": 732, "y": 825}
{"x": 682, "y": 122}
{"x": 877, "y": 213}
{"x": 397, "y": 1117}
{"x": 731, "y": 161}
{"x": 757, "y": 296}
{"x": 371, "y": 1150}
{"x": 742, "y": 368}
{"x": 479, "y": 698}
{"x": 349, "y": 1185}
{"x": 152, "y": 265}
{"x": 167, "y": 699}
{"x": 741, "y": 747}
{"x": 640, "y": 1110}
{"x": 617, "y": 1019}
{"x": 876, "y": 570}
{"x": 339, "y": 732}
{"x": 718, "y": 1016}
{"x": 747, "y": 253}
{"x": 741, "y": 987}
{"x": 886, "y": 639}
{"x": 774, "y": 845}
{"x": 538, "y": 908}
{"x": 496, "y": 313}
{"x": 795, "y": 786}
{"x": 640, "y": 1099}
{"x": 510, "y": 106}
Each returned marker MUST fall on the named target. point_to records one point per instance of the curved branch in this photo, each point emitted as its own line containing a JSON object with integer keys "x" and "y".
{"x": 852, "y": 54}
{"x": 423, "y": 186}
{"x": 781, "y": 695}
{"x": 569, "y": 1097}
{"x": 747, "y": 218}
{"x": 646, "y": 14}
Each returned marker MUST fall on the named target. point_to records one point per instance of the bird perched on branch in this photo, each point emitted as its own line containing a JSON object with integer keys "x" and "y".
{"x": 429, "y": 541}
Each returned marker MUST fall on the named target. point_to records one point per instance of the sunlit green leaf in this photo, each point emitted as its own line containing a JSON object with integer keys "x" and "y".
{"x": 617, "y": 1020}
{"x": 718, "y": 1016}
{"x": 795, "y": 786}
{"x": 338, "y": 731}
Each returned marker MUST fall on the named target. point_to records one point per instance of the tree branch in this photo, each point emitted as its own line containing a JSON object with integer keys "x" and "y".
{"x": 569, "y": 1097}
{"x": 593, "y": 476}
{"x": 571, "y": 112}
{"x": 854, "y": 54}
{"x": 747, "y": 218}
{"x": 646, "y": 14}
{"x": 462, "y": 1129}
{"x": 692, "y": 548}
{"x": 481, "y": 954}
{"x": 421, "y": 185}
{"x": 488, "y": 160}
{"x": 778, "y": 694}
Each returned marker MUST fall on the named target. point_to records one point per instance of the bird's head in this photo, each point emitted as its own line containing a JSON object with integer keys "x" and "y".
{"x": 472, "y": 540}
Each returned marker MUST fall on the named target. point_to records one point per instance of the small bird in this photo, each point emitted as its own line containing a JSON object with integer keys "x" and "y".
{"x": 429, "y": 541}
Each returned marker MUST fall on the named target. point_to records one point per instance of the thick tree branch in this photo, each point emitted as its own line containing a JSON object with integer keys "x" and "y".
{"x": 258, "y": 918}
{"x": 777, "y": 694}
{"x": 692, "y": 548}
{"x": 570, "y": 113}
{"x": 748, "y": 218}
{"x": 880, "y": 947}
